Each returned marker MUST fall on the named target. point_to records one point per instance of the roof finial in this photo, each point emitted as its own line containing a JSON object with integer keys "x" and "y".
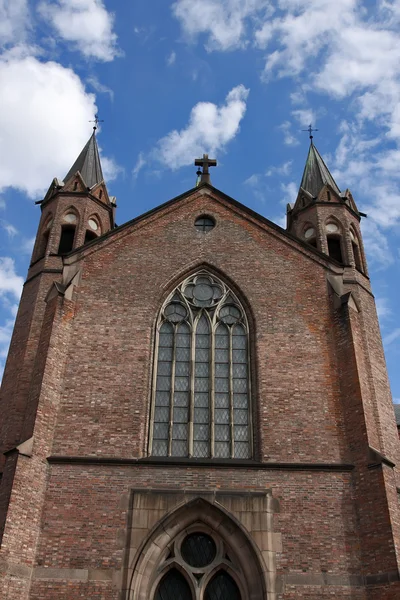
{"x": 96, "y": 121}
{"x": 205, "y": 162}
{"x": 310, "y": 131}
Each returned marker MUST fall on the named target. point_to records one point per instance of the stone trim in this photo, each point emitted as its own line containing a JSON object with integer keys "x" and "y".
{"x": 202, "y": 463}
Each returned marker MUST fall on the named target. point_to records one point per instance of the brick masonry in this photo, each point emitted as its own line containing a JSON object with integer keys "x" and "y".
{"x": 78, "y": 386}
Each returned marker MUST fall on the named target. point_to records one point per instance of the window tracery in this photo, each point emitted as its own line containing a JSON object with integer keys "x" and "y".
{"x": 201, "y": 398}
{"x": 198, "y": 565}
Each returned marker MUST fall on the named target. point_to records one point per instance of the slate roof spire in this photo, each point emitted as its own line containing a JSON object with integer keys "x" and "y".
{"x": 316, "y": 174}
{"x": 88, "y": 163}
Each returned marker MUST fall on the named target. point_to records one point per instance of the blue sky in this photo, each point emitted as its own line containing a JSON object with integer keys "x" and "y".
{"x": 239, "y": 79}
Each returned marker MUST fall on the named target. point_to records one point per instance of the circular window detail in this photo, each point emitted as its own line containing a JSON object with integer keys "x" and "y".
{"x": 93, "y": 224}
{"x": 198, "y": 550}
{"x": 332, "y": 228}
{"x": 309, "y": 233}
{"x": 229, "y": 314}
{"x": 203, "y": 291}
{"x": 175, "y": 312}
{"x": 204, "y": 223}
{"x": 70, "y": 218}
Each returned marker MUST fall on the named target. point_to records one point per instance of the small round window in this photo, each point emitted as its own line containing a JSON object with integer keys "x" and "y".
{"x": 198, "y": 550}
{"x": 204, "y": 223}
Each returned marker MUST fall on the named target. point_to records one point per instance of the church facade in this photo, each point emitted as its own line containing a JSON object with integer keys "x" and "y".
{"x": 195, "y": 404}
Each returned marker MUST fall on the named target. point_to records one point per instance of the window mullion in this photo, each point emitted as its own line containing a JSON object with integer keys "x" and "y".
{"x": 212, "y": 393}
{"x": 230, "y": 330}
{"x": 171, "y": 404}
{"x": 191, "y": 397}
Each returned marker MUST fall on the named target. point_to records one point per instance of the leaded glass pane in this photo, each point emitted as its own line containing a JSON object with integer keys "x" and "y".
{"x": 201, "y": 400}
{"x": 163, "y": 383}
{"x": 181, "y": 415}
{"x": 200, "y": 432}
{"x": 241, "y": 433}
{"x": 239, "y": 370}
{"x": 160, "y": 447}
{"x": 179, "y": 431}
{"x": 181, "y": 398}
{"x": 165, "y": 353}
{"x": 202, "y": 369}
{"x": 240, "y": 386}
{"x": 202, "y": 355}
{"x": 179, "y": 448}
{"x": 221, "y": 355}
{"x": 240, "y": 401}
{"x": 222, "y": 449}
{"x": 201, "y": 449}
{"x": 222, "y": 433}
{"x": 161, "y": 414}
{"x": 242, "y": 450}
{"x": 240, "y": 417}
{"x": 221, "y": 400}
{"x": 221, "y": 416}
{"x": 173, "y": 586}
{"x": 198, "y": 550}
{"x": 222, "y": 370}
{"x": 182, "y": 384}
{"x": 221, "y": 385}
{"x": 161, "y": 431}
{"x": 162, "y": 398}
{"x": 182, "y": 368}
{"x": 202, "y": 384}
{"x": 201, "y": 415}
{"x": 239, "y": 356}
{"x": 164, "y": 368}
{"x": 183, "y": 354}
{"x": 222, "y": 587}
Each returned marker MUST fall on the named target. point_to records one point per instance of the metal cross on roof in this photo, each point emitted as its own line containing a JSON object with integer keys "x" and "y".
{"x": 96, "y": 121}
{"x": 205, "y": 163}
{"x": 310, "y": 131}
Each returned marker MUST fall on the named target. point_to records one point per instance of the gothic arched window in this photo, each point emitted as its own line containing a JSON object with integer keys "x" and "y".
{"x": 204, "y": 561}
{"x": 201, "y": 398}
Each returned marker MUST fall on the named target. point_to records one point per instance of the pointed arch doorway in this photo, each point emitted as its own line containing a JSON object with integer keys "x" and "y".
{"x": 198, "y": 551}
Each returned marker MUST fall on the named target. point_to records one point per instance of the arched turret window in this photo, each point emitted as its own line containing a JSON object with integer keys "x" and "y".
{"x": 201, "y": 397}
{"x": 334, "y": 240}
{"x": 68, "y": 228}
{"x": 357, "y": 253}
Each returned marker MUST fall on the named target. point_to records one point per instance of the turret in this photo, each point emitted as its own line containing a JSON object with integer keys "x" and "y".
{"x": 76, "y": 210}
{"x": 325, "y": 217}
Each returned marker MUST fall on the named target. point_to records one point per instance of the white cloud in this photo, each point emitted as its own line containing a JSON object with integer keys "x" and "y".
{"x": 85, "y": 23}
{"x": 171, "y": 58}
{"x": 10, "y": 229}
{"x": 283, "y": 169}
{"x": 2, "y": 203}
{"x": 383, "y": 308}
{"x": 140, "y": 163}
{"x": 44, "y": 136}
{"x": 10, "y": 283}
{"x": 111, "y": 169}
{"x": 14, "y": 21}
{"x": 376, "y": 245}
{"x": 210, "y": 128}
{"x": 290, "y": 191}
{"x": 225, "y": 22}
{"x": 391, "y": 337}
{"x": 288, "y": 137}
{"x": 100, "y": 87}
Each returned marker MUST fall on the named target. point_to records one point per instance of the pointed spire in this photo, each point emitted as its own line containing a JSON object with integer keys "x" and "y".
{"x": 316, "y": 174}
{"x": 88, "y": 163}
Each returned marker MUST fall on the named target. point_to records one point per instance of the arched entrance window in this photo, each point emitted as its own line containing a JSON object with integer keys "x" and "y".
{"x": 201, "y": 394}
{"x": 204, "y": 560}
{"x": 173, "y": 586}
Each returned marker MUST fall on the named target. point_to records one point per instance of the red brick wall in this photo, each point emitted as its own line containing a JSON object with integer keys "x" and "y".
{"x": 320, "y": 396}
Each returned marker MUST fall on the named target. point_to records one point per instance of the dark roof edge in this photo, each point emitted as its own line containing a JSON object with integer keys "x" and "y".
{"x": 255, "y": 215}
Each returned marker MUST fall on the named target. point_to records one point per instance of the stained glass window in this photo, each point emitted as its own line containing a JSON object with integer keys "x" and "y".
{"x": 201, "y": 404}
{"x": 173, "y": 586}
{"x": 222, "y": 587}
